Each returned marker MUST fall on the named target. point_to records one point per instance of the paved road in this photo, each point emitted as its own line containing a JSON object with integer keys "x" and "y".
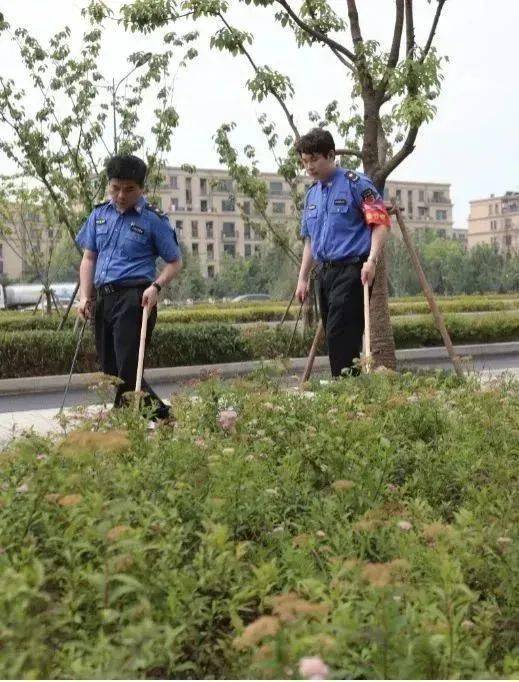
{"x": 37, "y": 401}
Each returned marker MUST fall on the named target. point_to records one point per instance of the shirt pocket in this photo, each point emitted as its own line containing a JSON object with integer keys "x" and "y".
{"x": 101, "y": 236}
{"x": 311, "y": 220}
{"x": 136, "y": 245}
{"x": 339, "y": 215}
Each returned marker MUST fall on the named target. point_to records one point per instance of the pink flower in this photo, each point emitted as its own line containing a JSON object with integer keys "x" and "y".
{"x": 313, "y": 668}
{"x": 227, "y": 419}
{"x": 41, "y": 457}
{"x": 392, "y": 488}
{"x": 200, "y": 442}
{"x": 24, "y": 488}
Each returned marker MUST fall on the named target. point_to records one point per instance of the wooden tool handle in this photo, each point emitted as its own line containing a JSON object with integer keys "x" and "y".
{"x": 367, "y": 329}
{"x": 142, "y": 346}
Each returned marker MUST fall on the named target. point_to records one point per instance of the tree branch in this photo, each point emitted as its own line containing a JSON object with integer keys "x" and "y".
{"x": 409, "y": 28}
{"x": 358, "y": 42}
{"x": 404, "y": 151}
{"x": 394, "y": 53}
{"x": 349, "y": 152}
{"x": 281, "y": 103}
{"x": 430, "y": 39}
{"x": 315, "y": 33}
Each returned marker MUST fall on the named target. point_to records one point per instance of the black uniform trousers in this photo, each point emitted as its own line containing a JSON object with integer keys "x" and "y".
{"x": 341, "y": 300}
{"x": 118, "y": 319}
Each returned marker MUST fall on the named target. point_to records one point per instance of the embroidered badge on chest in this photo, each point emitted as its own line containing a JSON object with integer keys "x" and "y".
{"x": 340, "y": 202}
{"x": 136, "y": 228}
{"x": 100, "y": 221}
{"x": 311, "y": 207}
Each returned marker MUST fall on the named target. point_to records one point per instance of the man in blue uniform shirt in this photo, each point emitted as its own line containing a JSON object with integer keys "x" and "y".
{"x": 122, "y": 239}
{"x": 345, "y": 225}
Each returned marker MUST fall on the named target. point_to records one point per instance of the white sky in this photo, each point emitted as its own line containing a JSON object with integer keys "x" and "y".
{"x": 473, "y": 142}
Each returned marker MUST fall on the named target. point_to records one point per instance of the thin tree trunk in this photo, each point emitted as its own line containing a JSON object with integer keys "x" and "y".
{"x": 382, "y": 339}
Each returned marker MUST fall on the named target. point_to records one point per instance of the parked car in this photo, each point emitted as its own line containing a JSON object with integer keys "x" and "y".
{"x": 251, "y": 297}
{"x": 25, "y": 295}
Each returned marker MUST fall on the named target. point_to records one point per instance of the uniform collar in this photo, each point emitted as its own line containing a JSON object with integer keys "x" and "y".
{"x": 137, "y": 207}
{"x": 329, "y": 182}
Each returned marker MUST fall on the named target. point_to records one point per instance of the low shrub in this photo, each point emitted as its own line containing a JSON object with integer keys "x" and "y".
{"x": 372, "y": 523}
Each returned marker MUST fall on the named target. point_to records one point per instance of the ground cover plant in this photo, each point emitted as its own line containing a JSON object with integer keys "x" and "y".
{"x": 369, "y": 525}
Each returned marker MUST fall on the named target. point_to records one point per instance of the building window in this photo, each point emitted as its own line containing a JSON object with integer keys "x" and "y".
{"x": 173, "y": 204}
{"x": 173, "y": 182}
{"x": 228, "y": 230}
{"x": 209, "y": 230}
{"x": 194, "y": 249}
{"x": 210, "y": 251}
{"x": 423, "y": 211}
{"x": 441, "y": 215}
{"x": 491, "y": 209}
{"x": 203, "y": 205}
{"x": 257, "y": 248}
{"x": 203, "y": 186}
{"x": 228, "y": 205}
{"x": 248, "y": 250}
{"x": 230, "y": 249}
{"x": 441, "y": 233}
{"x": 508, "y": 222}
{"x": 246, "y": 207}
{"x": 210, "y": 271}
{"x": 179, "y": 224}
{"x": 497, "y": 209}
{"x": 276, "y": 187}
{"x": 247, "y": 232}
{"x": 421, "y": 195}
{"x": 508, "y": 240}
{"x": 439, "y": 198}
{"x": 194, "y": 229}
{"x": 278, "y": 207}
{"x": 225, "y": 185}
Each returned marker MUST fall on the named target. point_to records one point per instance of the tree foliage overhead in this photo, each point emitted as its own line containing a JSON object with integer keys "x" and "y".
{"x": 58, "y": 130}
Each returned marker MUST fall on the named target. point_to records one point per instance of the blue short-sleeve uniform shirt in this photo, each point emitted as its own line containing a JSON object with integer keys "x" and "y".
{"x": 333, "y": 216}
{"x": 128, "y": 244}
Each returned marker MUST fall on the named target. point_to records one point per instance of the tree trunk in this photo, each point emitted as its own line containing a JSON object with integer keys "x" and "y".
{"x": 382, "y": 339}
{"x": 48, "y": 302}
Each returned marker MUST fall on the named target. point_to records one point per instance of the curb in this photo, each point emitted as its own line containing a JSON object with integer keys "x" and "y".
{"x": 418, "y": 356}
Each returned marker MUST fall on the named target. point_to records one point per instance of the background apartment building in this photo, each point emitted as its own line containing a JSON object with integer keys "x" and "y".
{"x": 208, "y": 218}
{"x": 427, "y": 205}
{"x": 208, "y": 214}
{"x": 495, "y": 221}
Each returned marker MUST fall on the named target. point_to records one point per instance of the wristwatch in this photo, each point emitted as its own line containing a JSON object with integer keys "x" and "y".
{"x": 157, "y": 286}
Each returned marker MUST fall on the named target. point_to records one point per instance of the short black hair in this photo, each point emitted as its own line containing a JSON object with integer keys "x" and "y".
{"x": 127, "y": 167}
{"x": 317, "y": 141}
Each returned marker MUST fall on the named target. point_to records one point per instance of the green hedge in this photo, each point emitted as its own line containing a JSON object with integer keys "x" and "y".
{"x": 419, "y": 330}
{"x": 34, "y": 353}
{"x": 264, "y": 312}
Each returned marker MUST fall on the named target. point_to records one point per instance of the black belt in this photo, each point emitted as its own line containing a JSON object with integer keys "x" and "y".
{"x": 343, "y": 263}
{"x": 107, "y": 289}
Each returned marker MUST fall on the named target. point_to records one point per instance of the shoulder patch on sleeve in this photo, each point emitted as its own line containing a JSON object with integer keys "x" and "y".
{"x": 353, "y": 177}
{"x": 368, "y": 195}
{"x": 102, "y": 203}
{"x": 155, "y": 209}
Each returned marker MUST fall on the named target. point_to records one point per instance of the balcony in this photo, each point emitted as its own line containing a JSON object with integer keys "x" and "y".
{"x": 229, "y": 236}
